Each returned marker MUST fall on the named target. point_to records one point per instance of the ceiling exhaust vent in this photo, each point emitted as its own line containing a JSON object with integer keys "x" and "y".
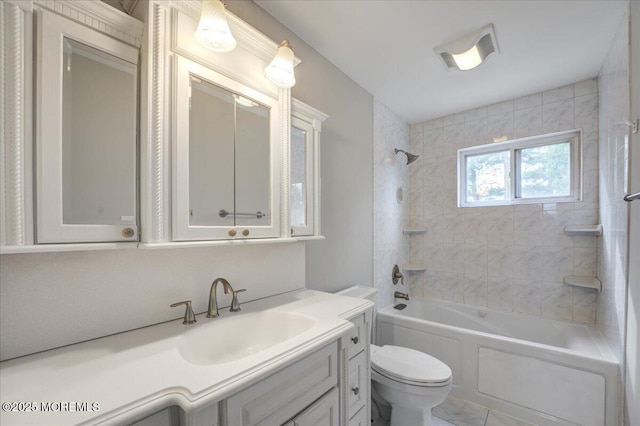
{"x": 469, "y": 51}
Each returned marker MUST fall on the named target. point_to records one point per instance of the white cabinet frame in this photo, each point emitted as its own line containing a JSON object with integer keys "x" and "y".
{"x": 52, "y": 29}
{"x": 169, "y": 30}
{"x": 182, "y": 230}
{"x": 310, "y": 120}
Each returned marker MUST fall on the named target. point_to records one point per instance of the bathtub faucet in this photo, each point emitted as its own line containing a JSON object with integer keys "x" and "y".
{"x": 399, "y": 295}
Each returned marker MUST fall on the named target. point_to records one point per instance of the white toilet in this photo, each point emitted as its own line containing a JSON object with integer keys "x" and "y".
{"x": 411, "y": 381}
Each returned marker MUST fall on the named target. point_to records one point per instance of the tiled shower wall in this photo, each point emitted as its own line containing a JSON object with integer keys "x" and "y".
{"x": 390, "y": 173}
{"x": 613, "y": 93}
{"x": 510, "y": 258}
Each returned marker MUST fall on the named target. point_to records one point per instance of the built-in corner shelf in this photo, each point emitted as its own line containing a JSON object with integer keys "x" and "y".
{"x": 585, "y": 282}
{"x": 414, "y": 268}
{"x": 414, "y": 230}
{"x": 583, "y": 230}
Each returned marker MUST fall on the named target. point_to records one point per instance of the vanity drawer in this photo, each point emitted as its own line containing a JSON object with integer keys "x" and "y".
{"x": 357, "y": 339}
{"x": 281, "y": 396}
{"x": 359, "y": 419}
{"x": 357, "y": 383}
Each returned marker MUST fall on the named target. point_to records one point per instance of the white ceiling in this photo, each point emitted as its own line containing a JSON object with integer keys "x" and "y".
{"x": 387, "y": 46}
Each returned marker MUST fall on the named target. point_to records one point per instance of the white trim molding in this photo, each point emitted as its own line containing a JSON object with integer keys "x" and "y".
{"x": 158, "y": 120}
{"x": 285, "y": 107}
{"x": 154, "y": 140}
{"x": 12, "y": 135}
{"x": 99, "y": 16}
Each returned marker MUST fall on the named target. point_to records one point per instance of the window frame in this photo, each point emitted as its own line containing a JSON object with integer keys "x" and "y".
{"x": 573, "y": 137}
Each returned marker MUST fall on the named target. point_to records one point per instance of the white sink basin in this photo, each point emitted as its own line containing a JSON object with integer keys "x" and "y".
{"x": 233, "y": 337}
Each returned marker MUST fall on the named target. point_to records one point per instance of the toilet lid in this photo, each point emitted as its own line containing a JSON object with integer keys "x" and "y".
{"x": 409, "y": 365}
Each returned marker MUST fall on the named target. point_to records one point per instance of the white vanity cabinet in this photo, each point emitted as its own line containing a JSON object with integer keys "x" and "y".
{"x": 358, "y": 371}
{"x": 167, "y": 417}
{"x": 305, "y": 393}
{"x": 330, "y": 387}
{"x": 284, "y": 395}
{"x": 323, "y": 412}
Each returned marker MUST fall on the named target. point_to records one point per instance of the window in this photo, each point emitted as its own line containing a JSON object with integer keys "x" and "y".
{"x": 536, "y": 169}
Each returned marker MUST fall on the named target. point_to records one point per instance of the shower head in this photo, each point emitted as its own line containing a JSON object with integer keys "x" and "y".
{"x": 410, "y": 157}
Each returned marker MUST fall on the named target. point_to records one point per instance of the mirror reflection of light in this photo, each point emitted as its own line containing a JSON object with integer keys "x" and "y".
{"x": 245, "y": 102}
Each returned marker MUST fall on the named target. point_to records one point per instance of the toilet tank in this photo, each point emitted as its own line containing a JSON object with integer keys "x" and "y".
{"x": 361, "y": 292}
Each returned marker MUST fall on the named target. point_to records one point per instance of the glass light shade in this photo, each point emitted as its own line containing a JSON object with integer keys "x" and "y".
{"x": 280, "y": 70}
{"x": 469, "y": 59}
{"x": 213, "y": 29}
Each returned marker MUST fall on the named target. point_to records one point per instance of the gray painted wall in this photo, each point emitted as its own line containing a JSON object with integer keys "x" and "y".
{"x": 345, "y": 257}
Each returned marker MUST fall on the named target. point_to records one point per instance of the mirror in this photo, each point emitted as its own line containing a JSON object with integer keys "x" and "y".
{"x": 304, "y": 170}
{"x": 229, "y": 158}
{"x": 86, "y": 139}
{"x": 98, "y": 137}
{"x": 298, "y": 177}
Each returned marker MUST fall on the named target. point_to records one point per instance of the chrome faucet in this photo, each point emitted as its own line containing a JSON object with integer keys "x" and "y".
{"x": 399, "y": 295}
{"x": 212, "y": 312}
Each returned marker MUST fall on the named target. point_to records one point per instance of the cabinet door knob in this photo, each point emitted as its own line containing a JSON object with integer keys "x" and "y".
{"x": 355, "y": 340}
{"x": 245, "y": 232}
{"x": 127, "y": 232}
{"x": 355, "y": 390}
{"x": 232, "y": 232}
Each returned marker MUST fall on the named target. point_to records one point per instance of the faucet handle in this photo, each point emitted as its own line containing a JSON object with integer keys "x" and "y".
{"x": 189, "y": 315}
{"x": 235, "y": 305}
{"x": 396, "y": 275}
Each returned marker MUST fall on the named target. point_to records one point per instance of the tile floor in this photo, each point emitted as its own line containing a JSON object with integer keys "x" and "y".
{"x": 455, "y": 411}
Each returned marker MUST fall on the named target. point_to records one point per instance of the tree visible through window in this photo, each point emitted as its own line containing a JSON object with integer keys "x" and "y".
{"x": 488, "y": 176}
{"x": 537, "y": 169}
{"x": 545, "y": 171}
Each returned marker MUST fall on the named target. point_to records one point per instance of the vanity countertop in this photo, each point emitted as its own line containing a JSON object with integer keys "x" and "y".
{"x": 126, "y": 376}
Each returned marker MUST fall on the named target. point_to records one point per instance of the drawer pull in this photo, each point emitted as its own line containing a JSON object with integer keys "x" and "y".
{"x": 355, "y": 390}
{"x": 355, "y": 340}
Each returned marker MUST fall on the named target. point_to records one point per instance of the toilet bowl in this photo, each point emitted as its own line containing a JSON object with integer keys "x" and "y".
{"x": 410, "y": 381}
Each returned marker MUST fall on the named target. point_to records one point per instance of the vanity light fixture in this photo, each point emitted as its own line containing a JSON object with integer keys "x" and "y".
{"x": 469, "y": 51}
{"x": 213, "y": 29}
{"x": 280, "y": 70}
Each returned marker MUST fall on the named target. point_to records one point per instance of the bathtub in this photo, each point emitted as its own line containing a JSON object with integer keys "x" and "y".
{"x": 543, "y": 371}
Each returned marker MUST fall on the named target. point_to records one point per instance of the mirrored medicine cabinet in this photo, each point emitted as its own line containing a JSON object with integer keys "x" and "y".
{"x": 226, "y": 158}
{"x": 151, "y": 140}
{"x": 304, "y": 169}
{"x": 86, "y": 134}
